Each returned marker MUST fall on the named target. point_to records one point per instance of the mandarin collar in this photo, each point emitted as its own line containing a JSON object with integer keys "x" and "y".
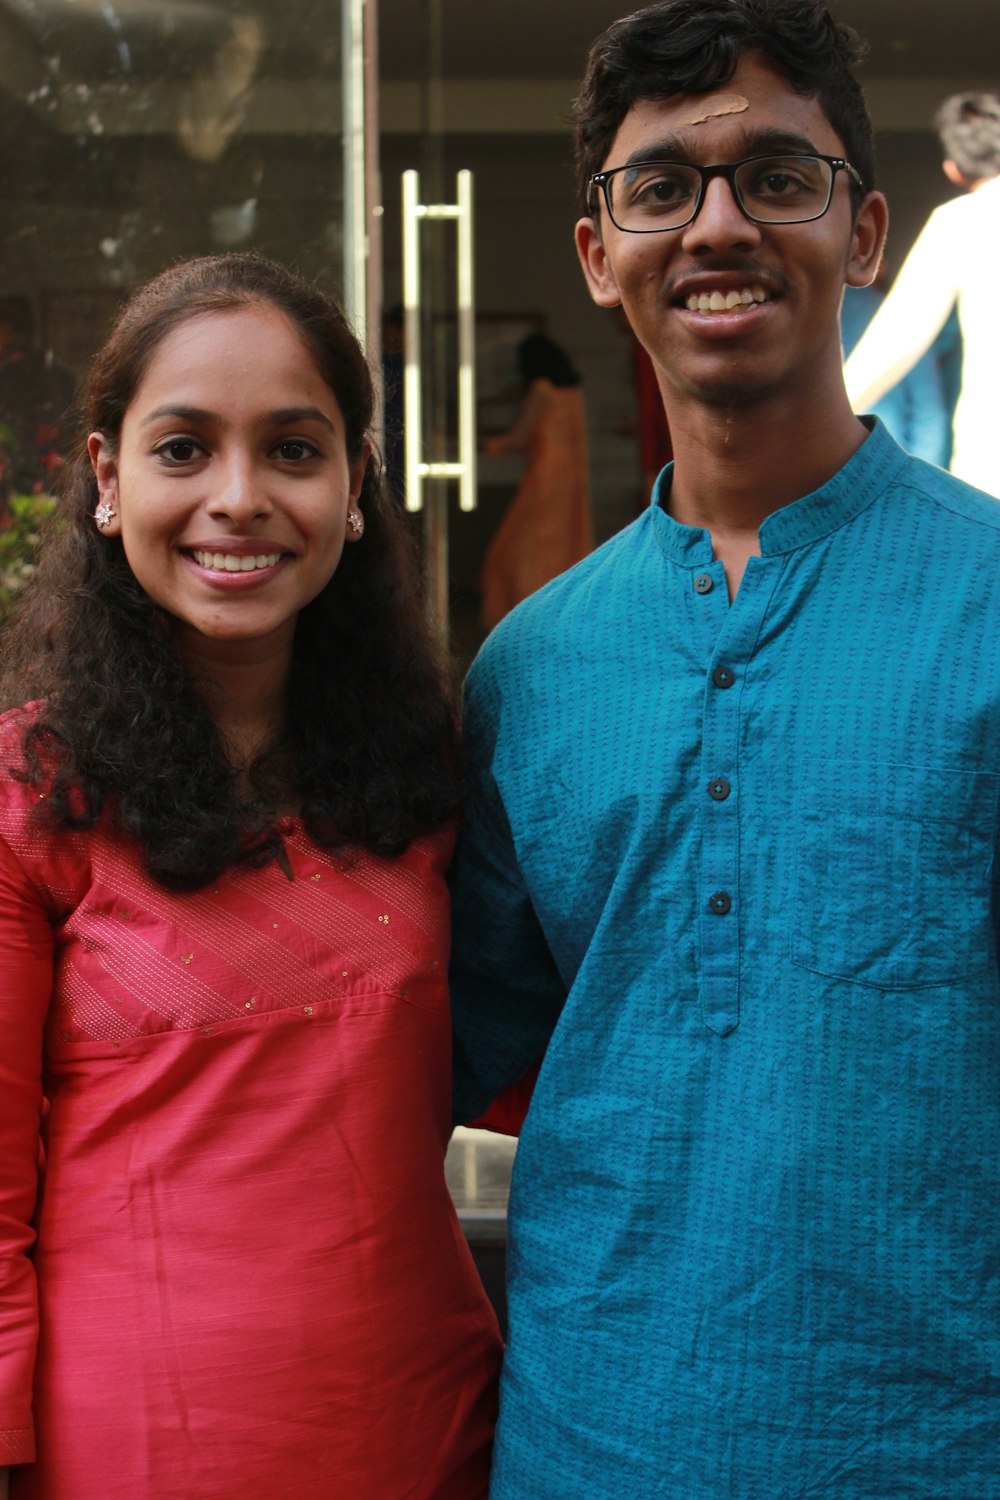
{"x": 864, "y": 477}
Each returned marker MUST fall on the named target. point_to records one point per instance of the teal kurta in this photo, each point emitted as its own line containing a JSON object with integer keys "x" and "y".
{"x": 734, "y": 863}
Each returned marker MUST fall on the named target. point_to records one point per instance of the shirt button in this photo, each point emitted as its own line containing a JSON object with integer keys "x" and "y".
{"x": 720, "y": 903}
{"x": 723, "y": 677}
{"x": 719, "y": 789}
{"x": 704, "y": 583}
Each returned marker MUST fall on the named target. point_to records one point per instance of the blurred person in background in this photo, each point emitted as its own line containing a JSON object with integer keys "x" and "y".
{"x": 547, "y": 527}
{"x": 952, "y": 265}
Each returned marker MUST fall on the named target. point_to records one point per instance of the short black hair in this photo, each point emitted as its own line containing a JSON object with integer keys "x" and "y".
{"x": 969, "y": 129}
{"x": 693, "y": 46}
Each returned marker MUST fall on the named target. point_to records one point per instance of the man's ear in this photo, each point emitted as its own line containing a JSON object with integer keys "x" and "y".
{"x": 105, "y": 467}
{"x": 596, "y": 266}
{"x": 867, "y": 240}
{"x": 954, "y": 173}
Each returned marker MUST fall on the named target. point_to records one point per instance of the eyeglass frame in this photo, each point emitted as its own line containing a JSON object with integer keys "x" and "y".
{"x": 727, "y": 170}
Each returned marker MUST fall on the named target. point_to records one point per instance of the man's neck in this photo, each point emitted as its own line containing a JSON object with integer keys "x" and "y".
{"x": 736, "y": 465}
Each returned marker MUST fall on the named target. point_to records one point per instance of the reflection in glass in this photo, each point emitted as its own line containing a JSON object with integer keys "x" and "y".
{"x": 134, "y": 132}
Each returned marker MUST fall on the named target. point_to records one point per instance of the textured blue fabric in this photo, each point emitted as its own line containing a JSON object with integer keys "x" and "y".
{"x": 755, "y": 1230}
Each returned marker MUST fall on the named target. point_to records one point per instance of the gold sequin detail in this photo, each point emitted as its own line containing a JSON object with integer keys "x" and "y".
{"x": 187, "y": 957}
{"x": 385, "y": 920}
{"x": 308, "y": 1009}
{"x": 275, "y": 926}
{"x": 206, "y": 1031}
{"x": 251, "y": 1002}
{"x": 316, "y": 877}
{"x": 116, "y": 1044}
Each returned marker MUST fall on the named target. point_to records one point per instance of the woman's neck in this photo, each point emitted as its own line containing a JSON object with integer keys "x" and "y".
{"x": 245, "y": 686}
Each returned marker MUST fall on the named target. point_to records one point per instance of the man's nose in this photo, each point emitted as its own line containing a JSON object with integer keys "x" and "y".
{"x": 720, "y": 221}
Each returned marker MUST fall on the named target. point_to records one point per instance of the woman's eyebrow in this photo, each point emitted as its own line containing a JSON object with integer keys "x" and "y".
{"x": 281, "y": 417}
{"x": 287, "y": 414}
{"x": 185, "y": 413}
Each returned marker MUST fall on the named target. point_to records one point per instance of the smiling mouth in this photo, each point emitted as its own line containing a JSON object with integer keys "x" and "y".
{"x": 713, "y": 302}
{"x": 232, "y": 562}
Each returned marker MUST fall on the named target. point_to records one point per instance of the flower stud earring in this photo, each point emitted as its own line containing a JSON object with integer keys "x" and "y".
{"x": 355, "y": 524}
{"x": 104, "y": 514}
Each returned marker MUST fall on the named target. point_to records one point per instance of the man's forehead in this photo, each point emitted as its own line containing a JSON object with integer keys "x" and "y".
{"x": 757, "y": 104}
{"x": 712, "y": 106}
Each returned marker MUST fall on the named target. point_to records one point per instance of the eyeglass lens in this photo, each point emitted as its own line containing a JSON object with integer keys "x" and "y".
{"x": 772, "y": 190}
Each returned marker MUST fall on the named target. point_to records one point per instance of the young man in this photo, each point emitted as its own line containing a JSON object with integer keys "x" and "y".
{"x": 953, "y": 263}
{"x": 728, "y": 856}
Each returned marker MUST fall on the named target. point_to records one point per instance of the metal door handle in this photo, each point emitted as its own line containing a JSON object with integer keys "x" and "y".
{"x": 464, "y": 470}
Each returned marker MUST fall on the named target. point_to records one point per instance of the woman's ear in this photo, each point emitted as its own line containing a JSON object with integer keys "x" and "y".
{"x": 105, "y": 467}
{"x": 357, "y": 470}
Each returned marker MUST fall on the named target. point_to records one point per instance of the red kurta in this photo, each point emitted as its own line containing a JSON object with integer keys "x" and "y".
{"x": 251, "y": 1280}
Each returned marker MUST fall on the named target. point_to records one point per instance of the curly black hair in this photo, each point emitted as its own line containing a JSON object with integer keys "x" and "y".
{"x": 693, "y": 46}
{"x": 368, "y": 753}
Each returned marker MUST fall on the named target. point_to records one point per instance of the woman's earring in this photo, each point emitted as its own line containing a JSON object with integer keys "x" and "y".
{"x": 104, "y": 514}
{"x": 356, "y": 524}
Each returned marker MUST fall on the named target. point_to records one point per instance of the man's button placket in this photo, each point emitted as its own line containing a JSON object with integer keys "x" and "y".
{"x": 704, "y": 583}
{"x": 720, "y": 851}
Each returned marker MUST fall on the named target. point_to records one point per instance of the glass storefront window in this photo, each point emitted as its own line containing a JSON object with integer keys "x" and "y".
{"x": 478, "y": 1168}
{"x": 135, "y": 132}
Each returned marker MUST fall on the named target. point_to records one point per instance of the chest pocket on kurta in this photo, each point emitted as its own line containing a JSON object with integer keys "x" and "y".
{"x": 893, "y": 874}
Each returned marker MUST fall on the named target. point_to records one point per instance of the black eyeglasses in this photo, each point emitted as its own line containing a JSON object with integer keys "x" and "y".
{"x": 648, "y": 197}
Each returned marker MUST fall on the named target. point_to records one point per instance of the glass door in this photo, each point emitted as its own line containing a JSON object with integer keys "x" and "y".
{"x": 135, "y": 132}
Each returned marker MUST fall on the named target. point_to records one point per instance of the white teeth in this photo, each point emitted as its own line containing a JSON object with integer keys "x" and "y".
{"x": 234, "y": 562}
{"x": 725, "y": 301}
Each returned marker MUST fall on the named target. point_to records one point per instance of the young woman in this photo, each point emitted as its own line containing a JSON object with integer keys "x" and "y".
{"x": 225, "y": 812}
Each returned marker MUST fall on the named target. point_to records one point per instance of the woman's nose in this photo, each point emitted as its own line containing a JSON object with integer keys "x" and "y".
{"x": 242, "y": 492}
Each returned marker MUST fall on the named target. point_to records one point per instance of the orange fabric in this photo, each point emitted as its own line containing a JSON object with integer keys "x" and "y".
{"x": 548, "y": 526}
{"x": 251, "y": 1277}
